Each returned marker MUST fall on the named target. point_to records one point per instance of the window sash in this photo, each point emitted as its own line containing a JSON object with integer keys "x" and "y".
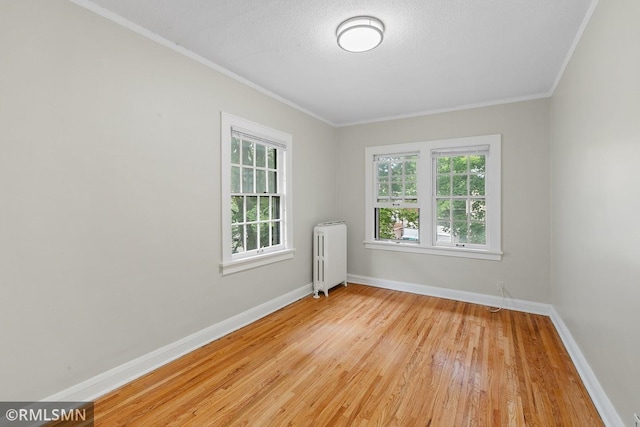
{"x": 256, "y": 223}
{"x": 465, "y": 223}
{"x": 247, "y": 166}
{"x": 396, "y": 180}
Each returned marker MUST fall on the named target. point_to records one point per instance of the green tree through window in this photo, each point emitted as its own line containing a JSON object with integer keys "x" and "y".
{"x": 460, "y": 199}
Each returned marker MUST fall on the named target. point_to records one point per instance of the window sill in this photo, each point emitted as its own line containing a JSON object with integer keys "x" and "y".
{"x": 239, "y": 265}
{"x": 433, "y": 250}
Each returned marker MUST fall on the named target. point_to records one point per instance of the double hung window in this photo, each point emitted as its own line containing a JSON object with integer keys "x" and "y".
{"x": 437, "y": 197}
{"x": 256, "y": 194}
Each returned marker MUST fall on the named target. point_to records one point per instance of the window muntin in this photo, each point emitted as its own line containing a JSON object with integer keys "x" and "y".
{"x": 456, "y": 206}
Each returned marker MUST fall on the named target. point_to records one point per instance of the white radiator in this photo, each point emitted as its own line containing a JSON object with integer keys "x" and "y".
{"x": 329, "y": 256}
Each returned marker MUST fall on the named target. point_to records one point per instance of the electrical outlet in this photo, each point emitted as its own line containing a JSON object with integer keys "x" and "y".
{"x": 500, "y": 285}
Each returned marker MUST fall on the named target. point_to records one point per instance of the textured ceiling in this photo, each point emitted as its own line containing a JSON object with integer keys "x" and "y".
{"x": 437, "y": 55}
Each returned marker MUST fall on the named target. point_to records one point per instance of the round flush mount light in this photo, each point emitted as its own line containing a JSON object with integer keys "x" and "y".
{"x": 360, "y": 34}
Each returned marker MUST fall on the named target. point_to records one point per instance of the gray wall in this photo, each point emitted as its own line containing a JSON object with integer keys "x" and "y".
{"x": 525, "y": 201}
{"x": 109, "y": 196}
{"x": 596, "y": 200}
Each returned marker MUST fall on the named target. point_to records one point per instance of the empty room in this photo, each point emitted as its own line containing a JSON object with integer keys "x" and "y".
{"x": 271, "y": 213}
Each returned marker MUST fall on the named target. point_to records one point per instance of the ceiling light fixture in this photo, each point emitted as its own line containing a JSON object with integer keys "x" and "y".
{"x": 360, "y": 34}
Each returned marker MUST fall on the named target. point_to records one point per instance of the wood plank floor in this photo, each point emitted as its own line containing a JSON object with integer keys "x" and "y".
{"x": 367, "y": 357}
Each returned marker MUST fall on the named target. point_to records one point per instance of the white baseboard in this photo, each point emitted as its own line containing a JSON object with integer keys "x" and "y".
{"x": 472, "y": 297}
{"x": 110, "y": 380}
{"x": 605, "y": 408}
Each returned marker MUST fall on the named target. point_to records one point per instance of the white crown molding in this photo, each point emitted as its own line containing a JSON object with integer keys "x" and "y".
{"x": 449, "y": 109}
{"x": 574, "y": 45}
{"x": 87, "y": 4}
{"x": 110, "y": 380}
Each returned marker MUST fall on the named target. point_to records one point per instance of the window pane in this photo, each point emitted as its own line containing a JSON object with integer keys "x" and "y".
{"x": 410, "y": 167}
{"x": 271, "y": 158}
{"x": 247, "y": 180}
{"x": 252, "y": 208}
{"x": 275, "y": 233}
{"x": 247, "y": 153}
{"x": 385, "y": 224}
{"x": 476, "y": 185}
{"x": 235, "y": 179}
{"x": 460, "y": 232}
{"x": 273, "y": 182}
{"x": 411, "y": 188}
{"x": 477, "y": 233}
{"x": 460, "y": 164}
{"x": 396, "y": 189}
{"x": 459, "y": 211}
{"x": 477, "y": 163}
{"x": 443, "y": 185}
{"x": 261, "y": 181}
{"x": 252, "y": 237}
{"x": 444, "y": 209}
{"x": 460, "y": 185}
{"x": 264, "y": 208}
{"x": 237, "y": 209}
{"x": 275, "y": 207}
{"x": 443, "y": 231}
{"x": 237, "y": 239}
{"x": 383, "y": 170}
{"x": 397, "y": 224}
{"x": 478, "y": 210}
{"x": 383, "y": 191}
{"x": 264, "y": 234}
{"x": 444, "y": 165}
{"x": 396, "y": 169}
{"x": 261, "y": 156}
{"x": 235, "y": 150}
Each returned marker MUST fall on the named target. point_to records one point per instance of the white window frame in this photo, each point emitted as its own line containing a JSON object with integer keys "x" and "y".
{"x": 233, "y": 263}
{"x": 426, "y": 197}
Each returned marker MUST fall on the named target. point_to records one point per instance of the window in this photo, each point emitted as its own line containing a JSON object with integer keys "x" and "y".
{"x": 436, "y": 197}
{"x": 256, "y": 195}
{"x": 396, "y": 208}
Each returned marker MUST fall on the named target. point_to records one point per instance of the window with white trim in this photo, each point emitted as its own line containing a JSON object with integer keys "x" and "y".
{"x": 396, "y": 205}
{"x": 437, "y": 197}
{"x": 256, "y": 195}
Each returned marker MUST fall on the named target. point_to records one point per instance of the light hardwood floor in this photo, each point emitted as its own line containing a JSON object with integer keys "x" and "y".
{"x": 367, "y": 357}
